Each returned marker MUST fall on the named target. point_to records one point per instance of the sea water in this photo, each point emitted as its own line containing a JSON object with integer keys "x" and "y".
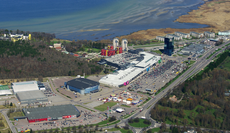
{"x": 94, "y": 19}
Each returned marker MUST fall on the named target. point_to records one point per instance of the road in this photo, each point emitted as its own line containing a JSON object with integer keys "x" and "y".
{"x": 198, "y": 65}
{"x": 3, "y": 111}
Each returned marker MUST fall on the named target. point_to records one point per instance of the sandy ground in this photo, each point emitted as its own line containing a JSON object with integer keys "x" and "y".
{"x": 215, "y": 13}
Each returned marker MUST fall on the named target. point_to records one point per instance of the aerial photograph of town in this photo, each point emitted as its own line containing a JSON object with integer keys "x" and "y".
{"x": 115, "y": 66}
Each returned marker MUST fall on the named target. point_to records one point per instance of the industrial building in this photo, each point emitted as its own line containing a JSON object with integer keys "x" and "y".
{"x": 194, "y": 49}
{"x": 115, "y": 48}
{"x": 195, "y": 34}
{"x": 174, "y": 36}
{"x": 51, "y": 113}
{"x": 169, "y": 46}
{"x": 131, "y": 66}
{"x": 24, "y": 86}
{"x": 82, "y": 85}
{"x": 184, "y": 35}
{"x": 31, "y": 97}
{"x": 160, "y": 38}
{"x": 209, "y": 34}
{"x": 4, "y": 90}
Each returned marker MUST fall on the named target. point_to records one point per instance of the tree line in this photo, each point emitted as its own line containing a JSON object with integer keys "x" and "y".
{"x": 204, "y": 103}
{"x": 30, "y": 59}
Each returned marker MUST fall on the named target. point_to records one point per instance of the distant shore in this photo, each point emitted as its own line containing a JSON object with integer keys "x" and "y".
{"x": 215, "y": 13}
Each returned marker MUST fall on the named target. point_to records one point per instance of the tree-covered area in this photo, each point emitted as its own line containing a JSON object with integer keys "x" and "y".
{"x": 203, "y": 101}
{"x": 30, "y": 59}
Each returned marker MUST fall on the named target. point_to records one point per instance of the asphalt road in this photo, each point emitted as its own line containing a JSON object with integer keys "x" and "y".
{"x": 198, "y": 65}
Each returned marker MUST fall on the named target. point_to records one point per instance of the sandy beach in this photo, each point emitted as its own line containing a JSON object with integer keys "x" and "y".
{"x": 215, "y": 13}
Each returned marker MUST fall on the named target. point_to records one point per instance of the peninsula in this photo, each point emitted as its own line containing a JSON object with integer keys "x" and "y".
{"x": 215, "y": 13}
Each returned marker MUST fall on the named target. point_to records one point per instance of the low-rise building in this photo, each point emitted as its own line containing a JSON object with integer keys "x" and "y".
{"x": 195, "y": 49}
{"x": 195, "y": 34}
{"x": 160, "y": 38}
{"x": 174, "y": 36}
{"x": 224, "y": 33}
{"x": 184, "y": 35}
{"x": 209, "y": 34}
{"x": 57, "y": 45}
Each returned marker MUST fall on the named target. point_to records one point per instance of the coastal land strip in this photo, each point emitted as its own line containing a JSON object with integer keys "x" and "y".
{"x": 215, "y": 13}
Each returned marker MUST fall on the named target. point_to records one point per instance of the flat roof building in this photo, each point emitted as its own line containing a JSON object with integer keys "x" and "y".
{"x": 184, "y": 35}
{"x": 160, "y": 38}
{"x": 31, "y": 97}
{"x": 4, "y": 90}
{"x": 209, "y": 34}
{"x": 195, "y": 34}
{"x": 51, "y": 113}
{"x": 24, "y": 86}
{"x": 174, "y": 36}
{"x": 134, "y": 69}
{"x": 82, "y": 85}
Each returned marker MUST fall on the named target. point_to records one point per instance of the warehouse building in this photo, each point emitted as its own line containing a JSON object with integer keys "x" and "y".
{"x": 82, "y": 85}
{"x": 24, "y": 86}
{"x": 4, "y": 90}
{"x": 31, "y": 97}
{"x": 51, "y": 113}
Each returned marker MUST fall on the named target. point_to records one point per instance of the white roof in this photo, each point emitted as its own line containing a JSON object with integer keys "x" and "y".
{"x": 121, "y": 76}
{"x": 5, "y": 92}
{"x": 25, "y": 86}
{"x": 120, "y": 110}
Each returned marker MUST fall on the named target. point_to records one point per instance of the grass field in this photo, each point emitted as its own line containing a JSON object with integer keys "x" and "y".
{"x": 155, "y": 129}
{"x": 151, "y": 45}
{"x": 15, "y": 114}
{"x": 225, "y": 64}
{"x": 93, "y": 50}
{"x": 4, "y": 128}
{"x": 139, "y": 124}
{"x": 103, "y": 107}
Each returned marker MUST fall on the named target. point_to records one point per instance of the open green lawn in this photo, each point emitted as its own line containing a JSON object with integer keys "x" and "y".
{"x": 226, "y": 64}
{"x": 93, "y": 50}
{"x": 103, "y": 107}
{"x": 151, "y": 45}
{"x": 139, "y": 124}
{"x": 15, "y": 114}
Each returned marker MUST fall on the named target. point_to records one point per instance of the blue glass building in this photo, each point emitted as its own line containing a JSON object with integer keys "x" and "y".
{"x": 169, "y": 46}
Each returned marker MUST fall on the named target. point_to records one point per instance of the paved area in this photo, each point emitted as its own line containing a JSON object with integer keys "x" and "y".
{"x": 94, "y": 104}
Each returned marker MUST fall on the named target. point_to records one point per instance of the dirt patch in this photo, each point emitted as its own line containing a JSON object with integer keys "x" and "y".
{"x": 67, "y": 93}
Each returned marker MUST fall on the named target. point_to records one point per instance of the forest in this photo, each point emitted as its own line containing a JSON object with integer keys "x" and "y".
{"x": 203, "y": 101}
{"x": 31, "y": 59}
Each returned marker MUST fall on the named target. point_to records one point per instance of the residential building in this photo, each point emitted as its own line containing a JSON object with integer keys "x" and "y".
{"x": 195, "y": 34}
{"x": 57, "y": 45}
{"x": 160, "y": 38}
{"x": 174, "y": 36}
{"x": 209, "y": 34}
{"x": 184, "y": 35}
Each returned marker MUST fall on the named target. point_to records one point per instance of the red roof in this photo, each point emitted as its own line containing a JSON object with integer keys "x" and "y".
{"x": 58, "y": 47}
{"x": 76, "y": 55}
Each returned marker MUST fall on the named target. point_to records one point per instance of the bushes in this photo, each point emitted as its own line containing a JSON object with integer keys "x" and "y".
{"x": 113, "y": 118}
{"x": 147, "y": 122}
{"x": 136, "y": 120}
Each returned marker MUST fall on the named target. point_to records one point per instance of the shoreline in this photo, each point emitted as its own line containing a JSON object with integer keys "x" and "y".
{"x": 215, "y": 14}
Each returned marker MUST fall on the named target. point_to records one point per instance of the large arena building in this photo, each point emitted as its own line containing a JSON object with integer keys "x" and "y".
{"x": 133, "y": 64}
{"x": 82, "y": 85}
{"x": 24, "y": 86}
{"x": 51, "y": 113}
